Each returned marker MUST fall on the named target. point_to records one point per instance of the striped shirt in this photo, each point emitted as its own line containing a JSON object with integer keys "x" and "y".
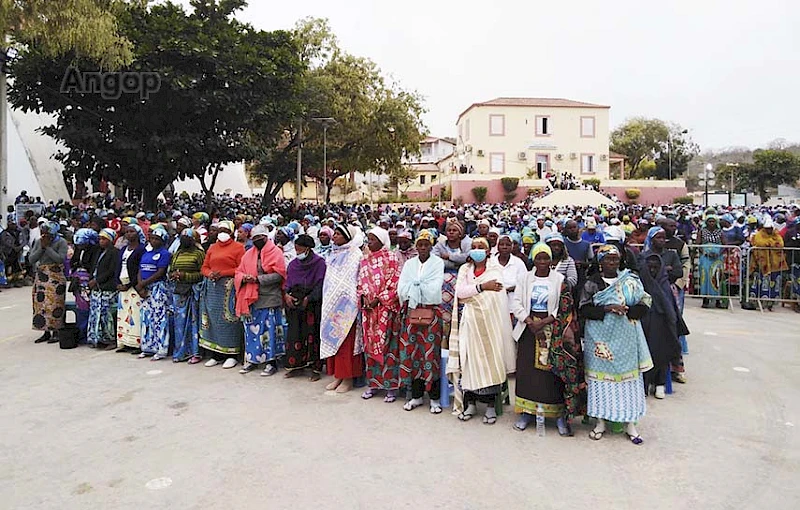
{"x": 188, "y": 262}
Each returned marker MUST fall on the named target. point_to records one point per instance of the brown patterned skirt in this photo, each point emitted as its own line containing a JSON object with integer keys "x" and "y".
{"x": 49, "y": 293}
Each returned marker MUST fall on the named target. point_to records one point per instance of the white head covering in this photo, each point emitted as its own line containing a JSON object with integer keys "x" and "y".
{"x": 382, "y": 235}
{"x": 259, "y": 230}
{"x": 768, "y": 222}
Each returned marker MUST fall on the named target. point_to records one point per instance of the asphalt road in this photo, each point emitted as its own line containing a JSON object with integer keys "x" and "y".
{"x": 81, "y": 429}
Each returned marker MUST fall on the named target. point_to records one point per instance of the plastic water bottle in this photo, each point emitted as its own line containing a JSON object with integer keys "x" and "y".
{"x": 540, "y": 420}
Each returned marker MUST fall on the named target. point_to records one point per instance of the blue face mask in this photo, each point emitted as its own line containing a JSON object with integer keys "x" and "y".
{"x": 477, "y": 255}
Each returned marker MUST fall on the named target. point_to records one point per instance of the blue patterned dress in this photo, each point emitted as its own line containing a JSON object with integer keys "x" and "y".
{"x": 264, "y": 335}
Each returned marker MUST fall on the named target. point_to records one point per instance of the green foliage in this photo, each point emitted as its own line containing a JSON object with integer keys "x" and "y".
{"x": 684, "y": 200}
{"x": 221, "y": 82}
{"x": 479, "y": 192}
{"x": 446, "y": 193}
{"x": 531, "y": 173}
{"x": 770, "y": 167}
{"x": 642, "y": 140}
{"x": 510, "y": 183}
{"x": 633, "y": 193}
{"x": 401, "y": 177}
{"x": 510, "y": 197}
{"x": 593, "y": 182}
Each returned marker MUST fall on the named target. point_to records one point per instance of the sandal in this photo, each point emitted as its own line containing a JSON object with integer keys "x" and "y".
{"x": 489, "y": 420}
{"x": 468, "y": 413}
{"x": 156, "y": 357}
{"x": 637, "y": 439}
{"x": 293, "y": 373}
{"x": 596, "y": 435}
{"x": 436, "y": 407}
{"x": 367, "y": 395}
{"x": 315, "y": 376}
{"x": 564, "y": 427}
{"x": 142, "y": 355}
{"x": 390, "y": 397}
{"x": 412, "y": 404}
{"x": 523, "y": 422}
{"x": 247, "y": 368}
{"x": 195, "y": 360}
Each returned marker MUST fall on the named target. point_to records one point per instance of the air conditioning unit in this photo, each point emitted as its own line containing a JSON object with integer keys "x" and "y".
{"x": 603, "y": 157}
{"x": 572, "y": 155}
{"x": 468, "y": 148}
{"x": 480, "y": 153}
{"x": 559, "y": 157}
{"x": 522, "y": 156}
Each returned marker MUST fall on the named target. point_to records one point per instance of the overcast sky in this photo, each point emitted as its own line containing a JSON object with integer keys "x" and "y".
{"x": 727, "y": 70}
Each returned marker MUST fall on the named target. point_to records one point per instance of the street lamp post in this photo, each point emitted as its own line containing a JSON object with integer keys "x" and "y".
{"x": 326, "y": 122}
{"x": 708, "y": 179}
{"x": 299, "y": 190}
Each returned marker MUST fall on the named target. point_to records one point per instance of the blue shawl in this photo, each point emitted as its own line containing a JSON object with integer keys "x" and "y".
{"x": 421, "y": 288}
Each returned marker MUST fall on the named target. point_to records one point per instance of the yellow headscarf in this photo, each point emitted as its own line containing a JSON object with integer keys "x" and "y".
{"x": 541, "y": 248}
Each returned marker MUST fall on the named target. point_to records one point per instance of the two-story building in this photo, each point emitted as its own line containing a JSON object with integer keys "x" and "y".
{"x": 434, "y": 161}
{"x": 529, "y": 137}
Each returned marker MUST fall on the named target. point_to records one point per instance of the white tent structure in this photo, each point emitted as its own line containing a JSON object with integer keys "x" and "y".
{"x": 579, "y": 198}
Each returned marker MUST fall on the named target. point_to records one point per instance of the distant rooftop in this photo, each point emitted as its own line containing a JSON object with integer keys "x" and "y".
{"x": 545, "y": 102}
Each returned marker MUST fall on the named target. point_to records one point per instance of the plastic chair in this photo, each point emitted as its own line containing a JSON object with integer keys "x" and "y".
{"x": 446, "y": 391}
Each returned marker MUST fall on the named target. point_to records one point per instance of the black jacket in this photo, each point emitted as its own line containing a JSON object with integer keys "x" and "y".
{"x": 133, "y": 265}
{"x": 107, "y": 269}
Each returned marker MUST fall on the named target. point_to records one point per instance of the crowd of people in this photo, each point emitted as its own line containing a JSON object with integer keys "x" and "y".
{"x": 583, "y": 305}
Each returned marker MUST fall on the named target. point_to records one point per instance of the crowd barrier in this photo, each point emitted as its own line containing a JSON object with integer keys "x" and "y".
{"x": 773, "y": 276}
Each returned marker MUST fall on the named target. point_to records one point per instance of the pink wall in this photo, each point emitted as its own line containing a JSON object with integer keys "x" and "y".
{"x": 649, "y": 196}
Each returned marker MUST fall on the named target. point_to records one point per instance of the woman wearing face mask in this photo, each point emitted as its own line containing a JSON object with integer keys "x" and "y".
{"x": 185, "y": 272}
{"x": 324, "y": 247}
{"x": 377, "y": 292}
{"x": 420, "y": 288}
{"x": 284, "y": 238}
{"x": 615, "y": 348}
{"x": 341, "y": 341}
{"x": 259, "y": 296}
{"x": 156, "y": 296}
{"x": 453, "y": 251}
{"x": 549, "y": 370}
{"x": 303, "y": 299}
{"x": 103, "y": 285}
{"x": 481, "y": 348}
{"x": 129, "y": 304}
{"x": 220, "y": 328}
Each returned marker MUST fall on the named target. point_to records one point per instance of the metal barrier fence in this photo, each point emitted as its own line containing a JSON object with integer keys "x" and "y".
{"x": 773, "y": 276}
{"x": 721, "y": 274}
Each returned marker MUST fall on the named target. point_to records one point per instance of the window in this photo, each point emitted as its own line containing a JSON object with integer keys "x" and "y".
{"x": 542, "y": 165}
{"x": 466, "y": 130}
{"x": 587, "y": 127}
{"x": 426, "y": 150}
{"x": 433, "y": 178}
{"x": 542, "y": 125}
{"x": 497, "y": 162}
{"x": 587, "y": 163}
{"x": 422, "y": 179}
{"x": 497, "y": 125}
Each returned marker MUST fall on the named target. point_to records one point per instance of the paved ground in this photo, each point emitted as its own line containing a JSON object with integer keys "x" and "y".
{"x": 100, "y": 430}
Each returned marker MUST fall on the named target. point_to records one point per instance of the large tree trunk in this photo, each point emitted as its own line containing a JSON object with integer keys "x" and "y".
{"x": 270, "y": 192}
{"x": 150, "y": 196}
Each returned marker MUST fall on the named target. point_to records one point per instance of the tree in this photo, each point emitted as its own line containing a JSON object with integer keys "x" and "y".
{"x": 377, "y": 123}
{"x": 769, "y": 169}
{"x": 644, "y": 140}
{"x": 401, "y": 177}
{"x": 221, "y": 83}
{"x": 675, "y": 153}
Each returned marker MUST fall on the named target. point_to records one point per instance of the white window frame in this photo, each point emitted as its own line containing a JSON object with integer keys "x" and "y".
{"x": 502, "y": 119}
{"x": 590, "y": 157}
{"x": 502, "y": 161}
{"x": 539, "y": 123}
{"x": 594, "y": 127}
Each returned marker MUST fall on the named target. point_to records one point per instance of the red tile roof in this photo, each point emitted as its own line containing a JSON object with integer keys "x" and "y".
{"x": 544, "y": 102}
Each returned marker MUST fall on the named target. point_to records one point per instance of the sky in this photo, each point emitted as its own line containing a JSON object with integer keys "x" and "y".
{"x": 729, "y": 71}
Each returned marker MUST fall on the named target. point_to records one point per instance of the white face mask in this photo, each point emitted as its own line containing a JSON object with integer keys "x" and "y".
{"x": 302, "y": 256}
{"x": 223, "y": 237}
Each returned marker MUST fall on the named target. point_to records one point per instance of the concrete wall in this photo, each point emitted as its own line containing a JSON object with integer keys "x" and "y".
{"x": 520, "y": 136}
{"x": 650, "y": 195}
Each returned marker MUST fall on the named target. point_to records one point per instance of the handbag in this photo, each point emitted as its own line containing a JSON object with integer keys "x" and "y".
{"x": 421, "y": 316}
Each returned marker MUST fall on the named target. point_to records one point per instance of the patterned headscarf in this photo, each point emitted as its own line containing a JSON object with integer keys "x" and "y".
{"x": 85, "y": 236}
{"x": 202, "y": 218}
{"x": 648, "y": 241}
{"x": 227, "y": 224}
{"x": 130, "y": 220}
{"x": 159, "y": 231}
{"x": 606, "y": 249}
{"x": 326, "y": 230}
{"x": 247, "y": 227}
{"x": 457, "y": 224}
{"x": 426, "y": 235}
{"x": 288, "y": 232}
{"x": 139, "y": 231}
{"x": 108, "y": 233}
{"x": 555, "y": 236}
{"x": 53, "y": 228}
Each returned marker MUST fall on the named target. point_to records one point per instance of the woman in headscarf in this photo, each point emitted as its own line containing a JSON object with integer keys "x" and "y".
{"x": 303, "y": 299}
{"x": 220, "y": 328}
{"x": 767, "y": 263}
{"x": 284, "y": 238}
{"x": 259, "y": 296}
{"x": 550, "y": 379}
{"x": 48, "y": 256}
{"x": 615, "y": 348}
{"x": 405, "y": 248}
{"x": 81, "y": 266}
{"x": 656, "y": 242}
{"x": 185, "y": 272}
{"x": 561, "y": 261}
{"x": 129, "y": 304}
{"x": 514, "y": 269}
{"x": 481, "y": 348}
{"x": 324, "y": 246}
{"x": 156, "y": 294}
{"x": 420, "y": 288}
{"x": 732, "y": 239}
{"x": 712, "y": 277}
{"x": 453, "y": 250}
{"x": 199, "y": 222}
{"x": 377, "y": 292}
{"x": 662, "y": 324}
{"x": 341, "y": 337}
{"x": 243, "y": 235}
{"x": 103, "y": 285}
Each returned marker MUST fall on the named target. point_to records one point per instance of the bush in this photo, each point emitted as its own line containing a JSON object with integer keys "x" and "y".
{"x": 534, "y": 191}
{"x": 479, "y": 192}
{"x": 510, "y": 197}
{"x": 446, "y": 193}
{"x": 633, "y": 193}
{"x": 685, "y": 200}
{"x": 595, "y": 183}
{"x": 510, "y": 183}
